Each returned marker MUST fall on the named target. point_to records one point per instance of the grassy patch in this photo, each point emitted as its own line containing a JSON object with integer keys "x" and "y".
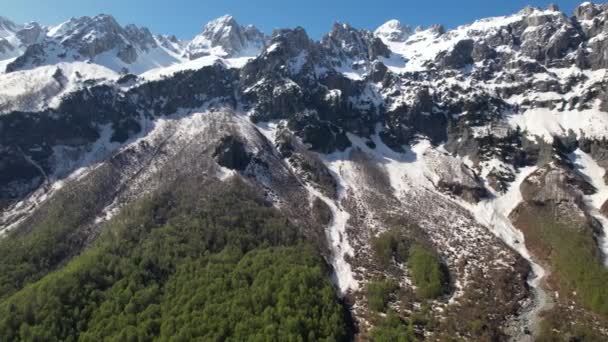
{"x": 392, "y": 328}
{"x": 556, "y": 327}
{"x": 426, "y": 272}
{"x": 390, "y": 245}
{"x": 379, "y": 292}
{"x": 573, "y": 253}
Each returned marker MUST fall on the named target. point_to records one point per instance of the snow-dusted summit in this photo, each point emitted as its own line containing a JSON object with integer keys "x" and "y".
{"x": 224, "y": 37}
{"x": 393, "y": 31}
{"x": 100, "y": 40}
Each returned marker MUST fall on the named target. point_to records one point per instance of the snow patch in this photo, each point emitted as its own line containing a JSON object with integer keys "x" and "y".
{"x": 594, "y": 174}
{"x": 547, "y": 123}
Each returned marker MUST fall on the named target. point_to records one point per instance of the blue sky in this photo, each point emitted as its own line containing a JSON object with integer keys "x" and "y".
{"x": 185, "y": 18}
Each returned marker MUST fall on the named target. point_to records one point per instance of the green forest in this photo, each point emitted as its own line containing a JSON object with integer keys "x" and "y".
{"x": 193, "y": 262}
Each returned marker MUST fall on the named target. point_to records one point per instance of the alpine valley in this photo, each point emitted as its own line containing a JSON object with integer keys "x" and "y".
{"x": 405, "y": 184}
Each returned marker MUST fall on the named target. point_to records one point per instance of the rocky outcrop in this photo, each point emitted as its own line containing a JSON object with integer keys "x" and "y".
{"x": 557, "y": 186}
{"x": 5, "y": 46}
{"x": 420, "y": 117}
{"x": 604, "y": 209}
{"x": 456, "y": 178}
{"x": 18, "y": 174}
{"x": 33, "y": 55}
{"x": 458, "y": 57}
{"x": 31, "y": 33}
{"x": 346, "y": 43}
{"x": 231, "y": 153}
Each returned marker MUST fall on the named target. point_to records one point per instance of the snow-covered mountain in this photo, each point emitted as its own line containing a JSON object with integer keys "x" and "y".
{"x": 130, "y": 49}
{"x": 393, "y": 31}
{"x": 462, "y": 139}
{"x": 224, "y": 37}
{"x": 15, "y": 38}
{"x": 100, "y": 40}
{"x": 90, "y": 50}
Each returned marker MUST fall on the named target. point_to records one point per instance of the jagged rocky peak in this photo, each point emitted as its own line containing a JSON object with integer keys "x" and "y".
{"x": 141, "y": 36}
{"x": 548, "y": 35}
{"x": 171, "y": 43}
{"x": 588, "y": 10}
{"x": 98, "y": 39}
{"x": 291, "y": 40}
{"x": 394, "y": 31}
{"x": 5, "y": 46}
{"x": 31, "y": 33}
{"x": 436, "y": 29}
{"x": 226, "y": 38}
{"x": 346, "y": 42}
{"x": 86, "y": 28}
{"x": 94, "y": 35}
{"x": 288, "y": 52}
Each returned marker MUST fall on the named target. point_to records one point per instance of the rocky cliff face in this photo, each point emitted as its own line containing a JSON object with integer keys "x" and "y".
{"x": 450, "y": 131}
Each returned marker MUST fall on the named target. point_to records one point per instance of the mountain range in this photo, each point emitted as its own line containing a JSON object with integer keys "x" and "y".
{"x": 446, "y": 184}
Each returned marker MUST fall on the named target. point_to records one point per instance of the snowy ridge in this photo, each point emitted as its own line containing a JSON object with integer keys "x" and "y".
{"x": 161, "y": 72}
{"x": 101, "y": 40}
{"x": 43, "y": 87}
{"x": 424, "y": 45}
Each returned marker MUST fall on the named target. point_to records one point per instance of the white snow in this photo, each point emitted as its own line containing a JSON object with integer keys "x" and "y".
{"x": 407, "y": 170}
{"x": 424, "y": 45}
{"x": 594, "y": 174}
{"x": 338, "y": 238}
{"x": 158, "y": 73}
{"x": 272, "y": 47}
{"x": 393, "y": 30}
{"x": 298, "y": 62}
{"x": 547, "y": 123}
{"x": 146, "y": 60}
{"x": 348, "y": 71}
